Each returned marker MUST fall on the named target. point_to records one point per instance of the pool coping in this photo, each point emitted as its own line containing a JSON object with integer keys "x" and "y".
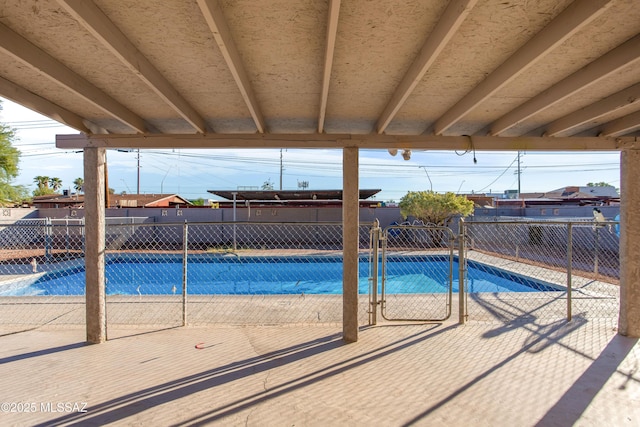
{"x": 552, "y": 278}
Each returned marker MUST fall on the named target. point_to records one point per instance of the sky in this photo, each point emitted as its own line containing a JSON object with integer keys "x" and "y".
{"x": 191, "y": 173}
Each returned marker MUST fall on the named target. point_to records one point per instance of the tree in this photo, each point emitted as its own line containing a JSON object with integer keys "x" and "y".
{"x": 55, "y": 183}
{"x": 599, "y": 184}
{"x": 43, "y": 186}
{"x": 9, "y": 155}
{"x": 9, "y": 159}
{"x": 78, "y": 185}
{"x": 435, "y": 208}
{"x": 42, "y": 181}
{"x": 602, "y": 184}
{"x": 197, "y": 202}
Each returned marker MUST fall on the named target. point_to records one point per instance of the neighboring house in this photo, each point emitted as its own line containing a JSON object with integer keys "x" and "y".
{"x": 58, "y": 201}
{"x": 115, "y": 201}
{"x": 147, "y": 201}
{"x": 479, "y": 200}
{"x": 566, "y": 196}
{"x": 575, "y": 192}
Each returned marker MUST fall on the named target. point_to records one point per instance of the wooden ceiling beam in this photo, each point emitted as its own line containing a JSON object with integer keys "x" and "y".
{"x": 330, "y": 44}
{"x": 214, "y": 16}
{"x": 622, "y": 126}
{"x": 103, "y": 29}
{"x": 576, "y": 16}
{"x": 28, "y": 99}
{"x": 447, "y": 26}
{"x": 614, "y": 60}
{"x": 606, "y": 105}
{"x": 31, "y": 55}
{"x": 369, "y": 141}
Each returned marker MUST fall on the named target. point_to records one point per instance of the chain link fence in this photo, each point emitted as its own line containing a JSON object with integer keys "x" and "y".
{"x": 417, "y": 273}
{"x": 567, "y": 269}
{"x": 270, "y": 273}
{"x": 164, "y": 275}
{"x": 178, "y": 274}
{"x": 31, "y": 250}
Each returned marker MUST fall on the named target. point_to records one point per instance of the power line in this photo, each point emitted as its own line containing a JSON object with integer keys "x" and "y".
{"x": 34, "y": 124}
{"x": 503, "y": 172}
{"x": 365, "y": 164}
{"x": 327, "y": 166}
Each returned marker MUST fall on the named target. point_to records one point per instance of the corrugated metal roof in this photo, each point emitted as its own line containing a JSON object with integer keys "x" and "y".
{"x": 289, "y": 194}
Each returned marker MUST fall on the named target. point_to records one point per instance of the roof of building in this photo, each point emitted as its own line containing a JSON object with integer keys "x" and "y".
{"x": 582, "y": 192}
{"x": 147, "y": 200}
{"x": 117, "y": 200}
{"x": 289, "y": 194}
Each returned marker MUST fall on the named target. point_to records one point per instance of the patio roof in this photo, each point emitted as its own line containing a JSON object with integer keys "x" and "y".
{"x": 462, "y": 74}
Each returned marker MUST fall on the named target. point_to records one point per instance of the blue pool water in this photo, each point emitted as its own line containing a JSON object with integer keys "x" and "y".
{"x": 291, "y": 275}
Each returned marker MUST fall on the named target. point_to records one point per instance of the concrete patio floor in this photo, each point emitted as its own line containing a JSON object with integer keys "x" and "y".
{"x": 484, "y": 374}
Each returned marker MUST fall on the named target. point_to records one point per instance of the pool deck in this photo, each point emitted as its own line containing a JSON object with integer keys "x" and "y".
{"x": 554, "y": 373}
{"x": 517, "y": 362}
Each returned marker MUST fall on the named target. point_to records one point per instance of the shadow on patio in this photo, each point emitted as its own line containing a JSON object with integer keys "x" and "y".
{"x": 538, "y": 373}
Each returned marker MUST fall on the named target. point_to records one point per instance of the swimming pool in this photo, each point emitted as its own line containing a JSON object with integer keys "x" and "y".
{"x": 232, "y": 275}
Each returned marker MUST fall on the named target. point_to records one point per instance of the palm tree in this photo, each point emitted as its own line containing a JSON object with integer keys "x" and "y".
{"x": 42, "y": 181}
{"x": 78, "y": 185}
{"x": 56, "y": 183}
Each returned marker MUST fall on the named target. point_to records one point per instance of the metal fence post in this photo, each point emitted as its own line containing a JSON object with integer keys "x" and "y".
{"x": 185, "y": 246}
{"x": 373, "y": 313}
{"x": 48, "y": 229}
{"x": 234, "y": 220}
{"x": 66, "y": 237}
{"x": 597, "y": 249}
{"x": 83, "y": 236}
{"x": 462, "y": 317}
{"x": 569, "y": 267}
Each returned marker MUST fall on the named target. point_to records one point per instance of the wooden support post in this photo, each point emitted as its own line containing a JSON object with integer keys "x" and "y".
{"x": 94, "y": 206}
{"x": 350, "y": 240}
{"x": 629, "y": 317}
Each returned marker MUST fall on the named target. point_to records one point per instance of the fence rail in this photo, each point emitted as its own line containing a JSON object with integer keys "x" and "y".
{"x": 268, "y": 273}
{"x": 175, "y": 274}
{"x": 574, "y": 266}
{"x": 417, "y": 273}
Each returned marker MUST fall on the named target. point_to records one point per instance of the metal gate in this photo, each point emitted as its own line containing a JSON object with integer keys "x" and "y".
{"x": 417, "y": 273}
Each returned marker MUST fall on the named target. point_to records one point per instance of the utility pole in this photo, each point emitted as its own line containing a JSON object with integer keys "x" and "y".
{"x": 519, "y": 174}
{"x": 281, "y": 169}
{"x": 138, "y": 171}
{"x": 106, "y": 182}
{"x": 138, "y": 158}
